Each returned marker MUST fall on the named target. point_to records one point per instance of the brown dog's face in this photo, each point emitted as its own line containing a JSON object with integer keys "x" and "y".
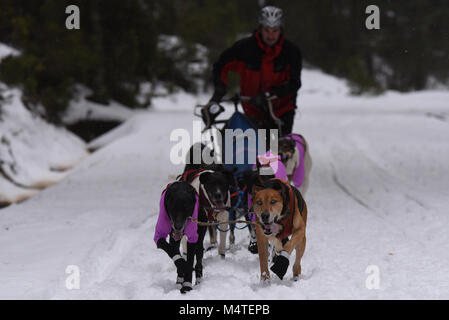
{"x": 268, "y": 205}
{"x": 286, "y": 149}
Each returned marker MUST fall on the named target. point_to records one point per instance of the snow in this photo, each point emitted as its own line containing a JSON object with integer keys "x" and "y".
{"x": 33, "y": 153}
{"x": 82, "y": 109}
{"x": 377, "y": 197}
{"x": 6, "y": 51}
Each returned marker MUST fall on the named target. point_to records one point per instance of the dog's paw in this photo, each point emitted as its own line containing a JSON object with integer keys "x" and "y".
{"x": 295, "y": 278}
{"x": 252, "y": 247}
{"x": 222, "y": 256}
{"x": 265, "y": 278}
{"x": 281, "y": 264}
{"x": 211, "y": 246}
{"x": 186, "y": 287}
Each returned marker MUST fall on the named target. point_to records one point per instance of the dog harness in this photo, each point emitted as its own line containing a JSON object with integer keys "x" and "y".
{"x": 298, "y": 174}
{"x": 193, "y": 177}
{"x": 164, "y": 225}
{"x": 287, "y": 221}
{"x": 269, "y": 160}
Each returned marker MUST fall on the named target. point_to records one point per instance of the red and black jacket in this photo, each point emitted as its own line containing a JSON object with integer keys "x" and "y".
{"x": 276, "y": 70}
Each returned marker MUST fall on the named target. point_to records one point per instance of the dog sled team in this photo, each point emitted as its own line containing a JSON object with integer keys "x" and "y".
{"x": 267, "y": 195}
{"x": 209, "y": 197}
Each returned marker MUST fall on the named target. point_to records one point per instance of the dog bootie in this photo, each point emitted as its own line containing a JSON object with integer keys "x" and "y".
{"x": 252, "y": 247}
{"x": 186, "y": 287}
{"x": 281, "y": 263}
{"x": 182, "y": 267}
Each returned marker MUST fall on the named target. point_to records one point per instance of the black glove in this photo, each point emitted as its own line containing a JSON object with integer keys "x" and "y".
{"x": 260, "y": 101}
{"x": 281, "y": 263}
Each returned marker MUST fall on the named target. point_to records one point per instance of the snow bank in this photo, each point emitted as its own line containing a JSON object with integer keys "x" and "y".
{"x": 33, "y": 153}
{"x": 6, "y": 51}
{"x": 82, "y": 109}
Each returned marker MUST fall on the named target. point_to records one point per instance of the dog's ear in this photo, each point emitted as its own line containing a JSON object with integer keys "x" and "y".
{"x": 170, "y": 195}
{"x": 256, "y": 188}
{"x": 230, "y": 178}
{"x": 287, "y": 144}
{"x": 167, "y": 201}
{"x": 291, "y": 143}
{"x": 204, "y": 177}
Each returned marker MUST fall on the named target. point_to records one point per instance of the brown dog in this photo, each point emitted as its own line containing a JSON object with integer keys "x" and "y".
{"x": 281, "y": 212}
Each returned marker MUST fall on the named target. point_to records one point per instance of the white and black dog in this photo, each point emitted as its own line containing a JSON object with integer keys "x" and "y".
{"x": 179, "y": 203}
{"x": 213, "y": 184}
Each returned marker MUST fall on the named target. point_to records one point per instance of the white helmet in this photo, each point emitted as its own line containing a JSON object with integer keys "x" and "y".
{"x": 271, "y": 17}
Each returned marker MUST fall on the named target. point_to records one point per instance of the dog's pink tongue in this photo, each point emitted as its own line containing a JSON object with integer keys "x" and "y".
{"x": 274, "y": 228}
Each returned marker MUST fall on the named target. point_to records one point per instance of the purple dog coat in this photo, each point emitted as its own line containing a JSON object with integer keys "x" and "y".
{"x": 163, "y": 226}
{"x": 298, "y": 174}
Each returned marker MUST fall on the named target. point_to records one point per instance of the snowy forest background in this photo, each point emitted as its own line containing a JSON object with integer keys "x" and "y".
{"x": 123, "y": 46}
{"x": 86, "y": 118}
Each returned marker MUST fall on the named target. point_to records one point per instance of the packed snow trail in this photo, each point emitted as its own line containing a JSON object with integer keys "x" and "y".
{"x": 377, "y": 197}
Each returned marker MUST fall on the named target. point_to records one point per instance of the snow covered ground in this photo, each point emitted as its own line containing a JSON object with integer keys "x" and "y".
{"x": 33, "y": 153}
{"x": 378, "y": 197}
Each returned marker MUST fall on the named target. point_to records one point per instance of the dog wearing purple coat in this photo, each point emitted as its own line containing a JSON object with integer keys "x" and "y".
{"x": 294, "y": 153}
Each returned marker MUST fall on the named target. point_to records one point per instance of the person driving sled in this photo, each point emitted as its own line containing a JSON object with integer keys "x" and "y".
{"x": 270, "y": 69}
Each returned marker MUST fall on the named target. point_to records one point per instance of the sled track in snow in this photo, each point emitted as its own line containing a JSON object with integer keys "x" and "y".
{"x": 379, "y": 167}
{"x": 346, "y": 191}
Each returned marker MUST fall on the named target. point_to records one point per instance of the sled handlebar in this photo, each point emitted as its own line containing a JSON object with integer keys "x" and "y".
{"x": 236, "y": 99}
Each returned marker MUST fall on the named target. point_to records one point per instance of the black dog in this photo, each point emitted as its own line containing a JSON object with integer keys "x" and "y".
{"x": 177, "y": 205}
{"x": 250, "y": 179}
